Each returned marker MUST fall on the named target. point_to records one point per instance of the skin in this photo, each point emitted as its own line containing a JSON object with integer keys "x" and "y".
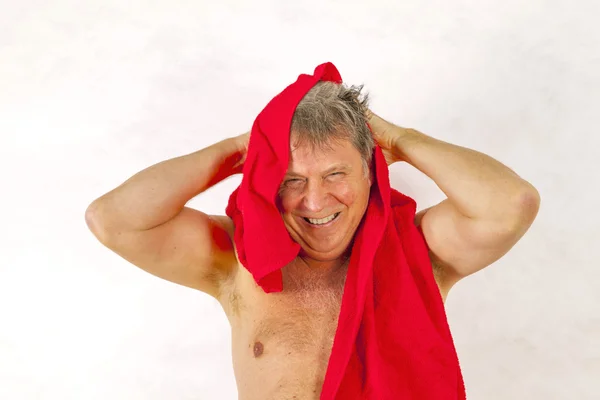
{"x": 462, "y": 233}
{"x": 319, "y": 183}
{"x": 281, "y": 342}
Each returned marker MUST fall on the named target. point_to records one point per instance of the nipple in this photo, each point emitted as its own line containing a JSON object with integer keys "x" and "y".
{"x": 258, "y": 349}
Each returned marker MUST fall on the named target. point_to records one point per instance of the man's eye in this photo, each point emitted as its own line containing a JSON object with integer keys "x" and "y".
{"x": 293, "y": 181}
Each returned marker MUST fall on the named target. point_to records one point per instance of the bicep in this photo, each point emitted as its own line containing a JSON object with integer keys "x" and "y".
{"x": 192, "y": 249}
{"x": 461, "y": 246}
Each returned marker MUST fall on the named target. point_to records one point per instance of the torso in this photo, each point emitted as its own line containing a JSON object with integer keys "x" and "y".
{"x": 281, "y": 342}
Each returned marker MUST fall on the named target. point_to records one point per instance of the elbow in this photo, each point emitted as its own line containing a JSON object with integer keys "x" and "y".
{"x": 529, "y": 202}
{"x": 94, "y": 221}
{"x": 525, "y": 209}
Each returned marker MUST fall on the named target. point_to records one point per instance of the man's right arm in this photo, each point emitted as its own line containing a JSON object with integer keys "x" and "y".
{"x": 145, "y": 220}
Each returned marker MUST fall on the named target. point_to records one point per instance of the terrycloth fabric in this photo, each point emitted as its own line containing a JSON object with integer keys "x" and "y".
{"x": 392, "y": 340}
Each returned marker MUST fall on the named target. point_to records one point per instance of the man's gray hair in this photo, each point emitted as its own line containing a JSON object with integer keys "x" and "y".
{"x": 331, "y": 112}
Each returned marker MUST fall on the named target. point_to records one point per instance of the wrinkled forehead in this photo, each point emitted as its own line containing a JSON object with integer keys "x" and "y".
{"x": 307, "y": 157}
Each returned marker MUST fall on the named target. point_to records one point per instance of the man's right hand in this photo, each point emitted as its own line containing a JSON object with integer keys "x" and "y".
{"x": 242, "y": 142}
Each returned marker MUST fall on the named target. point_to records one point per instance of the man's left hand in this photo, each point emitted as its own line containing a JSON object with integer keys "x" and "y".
{"x": 388, "y": 136}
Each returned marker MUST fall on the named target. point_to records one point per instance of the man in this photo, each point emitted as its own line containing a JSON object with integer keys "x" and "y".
{"x": 282, "y": 341}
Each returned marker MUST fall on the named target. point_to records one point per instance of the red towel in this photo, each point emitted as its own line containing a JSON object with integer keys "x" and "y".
{"x": 393, "y": 340}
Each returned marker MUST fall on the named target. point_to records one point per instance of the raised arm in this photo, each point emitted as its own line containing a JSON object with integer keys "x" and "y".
{"x": 488, "y": 207}
{"x": 146, "y": 222}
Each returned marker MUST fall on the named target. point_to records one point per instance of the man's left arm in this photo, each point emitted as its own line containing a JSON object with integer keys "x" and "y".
{"x": 488, "y": 206}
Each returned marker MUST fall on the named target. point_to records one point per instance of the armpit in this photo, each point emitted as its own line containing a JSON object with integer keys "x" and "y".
{"x": 440, "y": 276}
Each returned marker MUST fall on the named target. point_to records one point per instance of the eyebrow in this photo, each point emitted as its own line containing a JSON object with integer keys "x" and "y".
{"x": 342, "y": 167}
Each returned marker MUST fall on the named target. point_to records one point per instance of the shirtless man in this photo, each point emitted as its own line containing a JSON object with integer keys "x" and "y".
{"x": 281, "y": 342}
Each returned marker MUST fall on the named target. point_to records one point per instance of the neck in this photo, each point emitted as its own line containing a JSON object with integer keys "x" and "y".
{"x": 306, "y": 269}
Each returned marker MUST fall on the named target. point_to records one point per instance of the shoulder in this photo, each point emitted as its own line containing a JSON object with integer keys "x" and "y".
{"x": 226, "y": 223}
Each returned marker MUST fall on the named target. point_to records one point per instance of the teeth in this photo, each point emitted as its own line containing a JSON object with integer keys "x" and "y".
{"x": 322, "y": 220}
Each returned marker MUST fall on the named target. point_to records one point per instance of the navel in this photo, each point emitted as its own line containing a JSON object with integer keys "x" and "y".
{"x": 258, "y": 349}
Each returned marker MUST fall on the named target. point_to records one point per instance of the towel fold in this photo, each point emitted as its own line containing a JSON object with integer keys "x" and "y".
{"x": 392, "y": 340}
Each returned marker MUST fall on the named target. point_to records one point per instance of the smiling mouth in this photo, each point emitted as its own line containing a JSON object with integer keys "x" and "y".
{"x": 321, "y": 221}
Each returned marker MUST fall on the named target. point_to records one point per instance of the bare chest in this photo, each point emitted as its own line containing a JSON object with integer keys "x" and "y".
{"x": 281, "y": 342}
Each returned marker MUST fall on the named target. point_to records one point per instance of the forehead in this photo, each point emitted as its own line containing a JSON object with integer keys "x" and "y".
{"x": 305, "y": 157}
{"x": 304, "y": 149}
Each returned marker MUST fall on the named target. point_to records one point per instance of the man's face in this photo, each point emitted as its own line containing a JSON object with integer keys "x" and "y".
{"x": 321, "y": 185}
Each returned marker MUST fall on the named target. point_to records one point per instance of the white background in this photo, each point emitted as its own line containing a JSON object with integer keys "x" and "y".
{"x": 92, "y": 92}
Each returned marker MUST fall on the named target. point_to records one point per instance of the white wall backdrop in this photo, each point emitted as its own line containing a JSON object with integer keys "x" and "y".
{"x": 93, "y": 92}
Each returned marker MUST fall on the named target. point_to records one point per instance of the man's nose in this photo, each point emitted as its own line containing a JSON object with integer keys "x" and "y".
{"x": 315, "y": 196}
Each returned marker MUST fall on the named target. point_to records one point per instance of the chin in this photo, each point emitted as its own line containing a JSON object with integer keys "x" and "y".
{"x": 322, "y": 254}
{"x": 325, "y": 251}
